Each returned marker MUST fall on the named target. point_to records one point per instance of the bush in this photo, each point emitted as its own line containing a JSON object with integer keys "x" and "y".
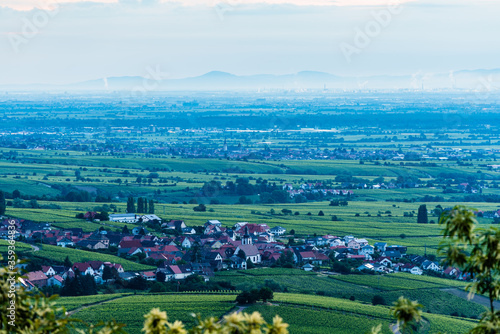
{"x": 378, "y": 300}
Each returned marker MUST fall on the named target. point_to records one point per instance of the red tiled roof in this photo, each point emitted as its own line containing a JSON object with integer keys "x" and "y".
{"x": 36, "y": 276}
{"x": 175, "y": 269}
{"x": 130, "y": 243}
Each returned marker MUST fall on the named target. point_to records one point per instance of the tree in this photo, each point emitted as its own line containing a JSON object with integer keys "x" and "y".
{"x": 16, "y": 194}
{"x": 138, "y": 283}
{"x": 67, "y": 262}
{"x": 125, "y": 230}
{"x": 151, "y": 207}
{"x": 321, "y": 213}
{"x": 250, "y": 264}
{"x": 130, "y": 205}
{"x": 476, "y": 252}
{"x": 103, "y": 216}
{"x": 145, "y": 202}
{"x": 286, "y": 259}
{"x": 107, "y": 273}
{"x": 200, "y": 208}
{"x": 422, "y": 215}
{"x": 266, "y": 294}
{"x": 140, "y": 205}
{"x": 160, "y": 276}
{"x": 2, "y": 203}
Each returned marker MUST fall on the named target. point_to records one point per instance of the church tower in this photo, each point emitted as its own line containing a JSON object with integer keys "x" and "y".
{"x": 247, "y": 239}
{"x": 224, "y": 148}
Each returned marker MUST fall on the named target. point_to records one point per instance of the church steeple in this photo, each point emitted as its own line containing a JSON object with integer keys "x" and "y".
{"x": 247, "y": 239}
{"x": 224, "y": 148}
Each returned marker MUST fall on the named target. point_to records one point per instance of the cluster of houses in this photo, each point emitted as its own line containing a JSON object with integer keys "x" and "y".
{"x": 55, "y": 275}
{"x": 314, "y": 188}
{"x": 216, "y": 248}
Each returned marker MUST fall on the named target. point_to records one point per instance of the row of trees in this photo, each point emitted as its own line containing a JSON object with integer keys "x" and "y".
{"x": 142, "y": 205}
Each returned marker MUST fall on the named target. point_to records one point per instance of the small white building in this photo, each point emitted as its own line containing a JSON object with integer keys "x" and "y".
{"x": 130, "y": 218}
{"x": 278, "y": 230}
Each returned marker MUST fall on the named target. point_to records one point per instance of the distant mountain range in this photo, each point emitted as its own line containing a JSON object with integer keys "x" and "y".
{"x": 476, "y": 80}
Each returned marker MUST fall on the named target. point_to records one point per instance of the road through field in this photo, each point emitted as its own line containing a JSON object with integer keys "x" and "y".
{"x": 478, "y": 299}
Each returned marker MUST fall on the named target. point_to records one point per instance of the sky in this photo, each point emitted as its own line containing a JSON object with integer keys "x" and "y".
{"x": 50, "y": 41}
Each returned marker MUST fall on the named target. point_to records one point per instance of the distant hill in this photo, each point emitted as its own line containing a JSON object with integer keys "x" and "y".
{"x": 478, "y": 80}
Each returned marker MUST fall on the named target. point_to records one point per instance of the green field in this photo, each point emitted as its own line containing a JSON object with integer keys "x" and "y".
{"x": 427, "y": 290}
{"x": 73, "y": 303}
{"x": 304, "y": 313}
{"x": 130, "y": 310}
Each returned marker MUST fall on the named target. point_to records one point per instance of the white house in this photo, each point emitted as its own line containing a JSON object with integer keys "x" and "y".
{"x": 48, "y": 270}
{"x": 308, "y": 267}
{"x": 186, "y": 243}
{"x": 429, "y": 265}
{"x": 64, "y": 241}
{"x": 416, "y": 271}
{"x": 278, "y": 230}
{"x": 366, "y": 250}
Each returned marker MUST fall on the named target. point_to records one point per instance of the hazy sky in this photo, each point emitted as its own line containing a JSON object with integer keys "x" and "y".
{"x": 76, "y": 41}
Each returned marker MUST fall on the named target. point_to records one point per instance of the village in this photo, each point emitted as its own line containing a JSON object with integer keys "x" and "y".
{"x": 180, "y": 251}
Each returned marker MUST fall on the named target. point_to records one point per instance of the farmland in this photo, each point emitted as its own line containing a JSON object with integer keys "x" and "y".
{"x": 130, "y": 310}
{"x": 261, "y": 158}
{"x": 329, "y": 315}
{"x": 427, "y": 290}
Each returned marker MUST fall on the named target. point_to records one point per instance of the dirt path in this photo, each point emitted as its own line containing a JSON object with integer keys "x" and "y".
{"x": 478, "y": 299}
{"x": 69, "y": 313}
{"x": 35, "y": 248}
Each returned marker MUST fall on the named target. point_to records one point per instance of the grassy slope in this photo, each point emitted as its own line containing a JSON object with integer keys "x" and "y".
{"x": 427, "y": 290}
{"x": 130, "y": 310}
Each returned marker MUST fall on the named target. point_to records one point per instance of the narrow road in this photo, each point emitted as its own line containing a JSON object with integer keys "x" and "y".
{"x": 35, "y": 248}
{"x": 478, "y": 299}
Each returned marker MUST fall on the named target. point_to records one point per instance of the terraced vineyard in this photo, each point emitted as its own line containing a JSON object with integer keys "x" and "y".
{"x": 336, "y": 315}
{"x": 387, "y": 282}
{"x": 425, "y": 289}
{"x": 305, "y": 320}
{"x": 72, "y": 303}
{"x": 130, "y": 309}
